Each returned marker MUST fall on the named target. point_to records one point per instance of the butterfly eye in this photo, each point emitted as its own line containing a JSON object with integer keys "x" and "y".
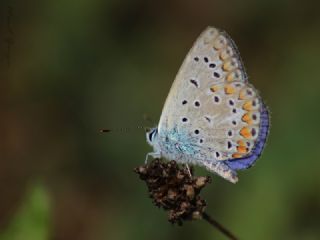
{"x": 152, "y": 134}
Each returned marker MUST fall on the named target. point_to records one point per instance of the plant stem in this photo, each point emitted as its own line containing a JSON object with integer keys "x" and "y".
{"x": 217, "y": 225}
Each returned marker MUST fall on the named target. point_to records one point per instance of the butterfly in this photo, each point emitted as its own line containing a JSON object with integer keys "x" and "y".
{"x": 213, "y": 117}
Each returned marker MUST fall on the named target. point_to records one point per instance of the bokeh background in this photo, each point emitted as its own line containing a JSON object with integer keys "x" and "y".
{"x": 69, "y": 68}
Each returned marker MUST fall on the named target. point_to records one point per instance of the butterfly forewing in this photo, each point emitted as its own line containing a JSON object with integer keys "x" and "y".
{"x": 211, "y": 102}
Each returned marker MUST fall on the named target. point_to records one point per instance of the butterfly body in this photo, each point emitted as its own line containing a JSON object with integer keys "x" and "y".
{"x": 212, "y": 116}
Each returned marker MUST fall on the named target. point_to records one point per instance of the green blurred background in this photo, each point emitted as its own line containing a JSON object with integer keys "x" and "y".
{"x": 69, "y": 68}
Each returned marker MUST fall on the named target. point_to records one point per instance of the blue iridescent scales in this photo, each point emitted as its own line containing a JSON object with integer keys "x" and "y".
{"x": 213, "y": 116}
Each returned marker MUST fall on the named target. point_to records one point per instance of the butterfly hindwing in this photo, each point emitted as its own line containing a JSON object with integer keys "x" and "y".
{"x": 212, "y": 99}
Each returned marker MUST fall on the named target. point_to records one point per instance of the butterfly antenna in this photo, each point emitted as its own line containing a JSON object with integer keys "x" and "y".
{"x": 146, "y": 118}
{"x": 105, "y": 130}
{"x": 125, "y": 129}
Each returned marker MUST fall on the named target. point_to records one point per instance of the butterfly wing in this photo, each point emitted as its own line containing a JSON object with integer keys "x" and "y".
{"x": 212, "y": 100}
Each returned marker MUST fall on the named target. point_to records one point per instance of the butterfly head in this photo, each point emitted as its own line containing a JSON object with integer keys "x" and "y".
{"x": 152, "y": 136}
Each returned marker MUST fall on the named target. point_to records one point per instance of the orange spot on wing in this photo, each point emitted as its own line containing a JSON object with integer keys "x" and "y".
{"x": 226, "y": 66}
{"x": 229, "y": 65}
{"x": 245, "y": 132}
{"x": 242, "y": 95}
{"x": 242, "y": 149}
{"x": 220, "y": 42}
{"x": 235, "y": 75}
{"x": 236, "y": 155}
{"x": 241, "y": 143}
{"x": 247, "y": 106}
{"x": 229, "y": 89}
{"x": 246, "y": 118}
{"x": 226, "y": 53}
{"x": 230, "y": 77}
{"x": 214, "y": 88}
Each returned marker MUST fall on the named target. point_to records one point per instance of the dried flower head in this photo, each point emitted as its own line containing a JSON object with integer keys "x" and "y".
{"x": 174, "y": 189}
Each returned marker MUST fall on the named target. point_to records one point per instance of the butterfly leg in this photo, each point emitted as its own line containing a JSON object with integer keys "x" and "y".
{"x": 188, "y": 169}
{"x": 222, "y": 170}
{"x": 153, "y": 155}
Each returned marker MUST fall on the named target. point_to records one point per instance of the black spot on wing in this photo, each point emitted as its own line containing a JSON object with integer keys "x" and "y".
{"x": 194, "y": 82}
